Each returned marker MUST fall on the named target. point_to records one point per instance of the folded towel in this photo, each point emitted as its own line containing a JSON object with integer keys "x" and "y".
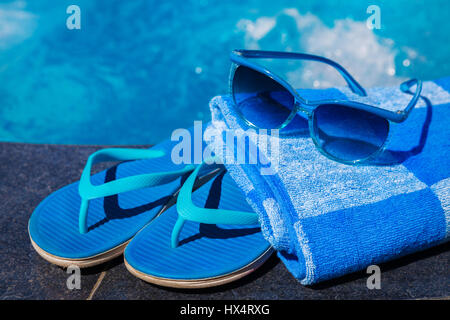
{"x": 327, "y": 219}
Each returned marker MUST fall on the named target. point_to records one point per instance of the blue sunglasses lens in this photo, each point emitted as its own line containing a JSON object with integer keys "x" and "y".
{"x": 261, "y": 100}
{"x": 349, "y": 134}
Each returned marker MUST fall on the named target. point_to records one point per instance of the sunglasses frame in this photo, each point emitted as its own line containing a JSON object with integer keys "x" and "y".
{"x": 243, "y": 58}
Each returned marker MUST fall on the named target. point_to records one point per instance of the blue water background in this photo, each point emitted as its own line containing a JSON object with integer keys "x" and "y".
{"x": 137, "y": 70}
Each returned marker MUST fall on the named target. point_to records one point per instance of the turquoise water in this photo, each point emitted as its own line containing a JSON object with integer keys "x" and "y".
{"x": 137, "y": 70}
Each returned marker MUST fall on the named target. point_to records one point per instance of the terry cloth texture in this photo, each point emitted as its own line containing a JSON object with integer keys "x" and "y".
{"x": 327, "y": 219}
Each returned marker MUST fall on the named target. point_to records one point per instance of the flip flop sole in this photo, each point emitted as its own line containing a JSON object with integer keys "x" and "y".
{"x": 206, "y": 282}
{"x": 113, "y": 252}
{"x": 208, "y": 254}
{"x": 81, "y": 263}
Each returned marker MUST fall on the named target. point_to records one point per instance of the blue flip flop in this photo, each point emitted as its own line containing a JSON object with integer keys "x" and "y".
{"x": 209, "y": 238}
{"x": 91, "y": 221}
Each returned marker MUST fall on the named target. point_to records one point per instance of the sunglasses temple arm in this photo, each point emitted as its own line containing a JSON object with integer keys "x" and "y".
{"x": 405, "y": 87}
{"x": 352, "y": 83}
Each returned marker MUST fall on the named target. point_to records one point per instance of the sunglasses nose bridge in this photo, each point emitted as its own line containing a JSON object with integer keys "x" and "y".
{"x": 299, "y": 107}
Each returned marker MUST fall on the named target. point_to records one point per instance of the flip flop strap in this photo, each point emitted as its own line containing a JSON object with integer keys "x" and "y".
{"x": 88, "y": 191}
{"x": 187, "y": 210}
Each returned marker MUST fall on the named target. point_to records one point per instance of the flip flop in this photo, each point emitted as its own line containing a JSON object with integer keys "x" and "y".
{"x": 91, "y": 221}
{"x": 203, "y": 241}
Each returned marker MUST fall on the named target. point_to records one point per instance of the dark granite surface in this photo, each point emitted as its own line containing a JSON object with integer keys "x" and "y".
{"x": 28, "y": 173}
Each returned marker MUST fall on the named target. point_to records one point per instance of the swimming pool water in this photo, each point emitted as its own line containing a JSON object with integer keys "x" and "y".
{"x": 137, "y": 70}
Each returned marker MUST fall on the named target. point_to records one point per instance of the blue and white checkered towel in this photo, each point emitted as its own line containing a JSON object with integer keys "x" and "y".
{"x": 327, "y": 219}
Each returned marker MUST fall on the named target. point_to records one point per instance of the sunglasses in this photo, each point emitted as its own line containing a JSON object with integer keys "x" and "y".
{"x": 345, "y": 131}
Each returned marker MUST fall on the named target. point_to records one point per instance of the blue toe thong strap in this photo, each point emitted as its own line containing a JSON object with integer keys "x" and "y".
{"x": 88, "y": 191}
{"x": 187, "y": 210}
